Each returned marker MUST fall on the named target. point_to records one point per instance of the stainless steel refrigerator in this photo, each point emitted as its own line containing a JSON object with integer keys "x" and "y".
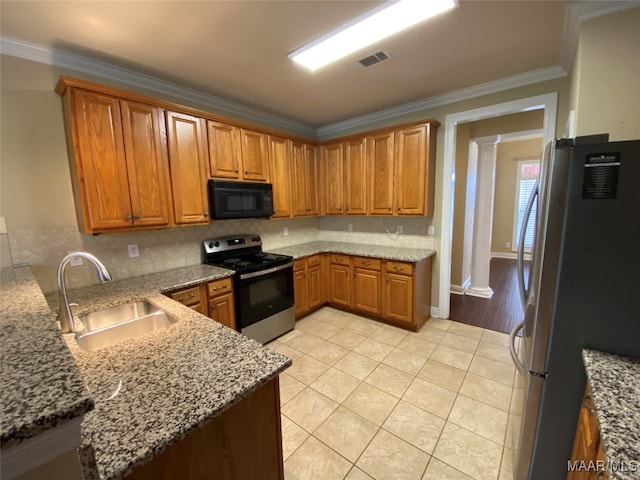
{"x": 582, "y": 290}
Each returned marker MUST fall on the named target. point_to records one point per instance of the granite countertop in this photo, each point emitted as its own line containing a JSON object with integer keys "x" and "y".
{"x": 375, "y": 251}
{"x": 41, "y": 387}
{"x": 152, "y": 391}
{"x": 616, "y": 396}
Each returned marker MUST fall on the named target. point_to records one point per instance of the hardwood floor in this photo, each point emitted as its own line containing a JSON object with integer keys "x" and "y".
{"x": 502, "y": 311}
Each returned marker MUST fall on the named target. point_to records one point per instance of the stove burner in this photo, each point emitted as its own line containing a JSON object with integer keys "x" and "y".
{"x": 231, "y": 261}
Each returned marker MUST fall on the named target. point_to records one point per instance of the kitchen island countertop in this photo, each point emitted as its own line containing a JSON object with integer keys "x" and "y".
{"x": 360, "y": 249}
{"x": 150, "y": 392}
{"x": 616, "y": 397}
{"x": 40, "y": 386}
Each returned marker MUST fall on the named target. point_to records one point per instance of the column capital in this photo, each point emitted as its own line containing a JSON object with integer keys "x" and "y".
{"x": 487, "y": 141}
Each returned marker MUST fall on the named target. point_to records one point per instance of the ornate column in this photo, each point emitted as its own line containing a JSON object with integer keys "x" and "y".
{"x": 481, "y": 249}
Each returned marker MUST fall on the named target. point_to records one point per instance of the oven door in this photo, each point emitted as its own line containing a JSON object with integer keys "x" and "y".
{"x": 262, "y": 294}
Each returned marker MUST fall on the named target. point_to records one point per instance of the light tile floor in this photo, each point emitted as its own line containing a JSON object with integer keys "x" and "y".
{"x": 364, "y": 400}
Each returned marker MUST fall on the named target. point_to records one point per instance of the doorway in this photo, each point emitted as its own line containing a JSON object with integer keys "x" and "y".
{"x": 547, "y": 103}
{"x": 494, "y": 175}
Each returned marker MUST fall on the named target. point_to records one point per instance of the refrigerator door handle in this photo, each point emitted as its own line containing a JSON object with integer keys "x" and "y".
{"x": 524, "y": 294}
{"x": 512, "y": 348}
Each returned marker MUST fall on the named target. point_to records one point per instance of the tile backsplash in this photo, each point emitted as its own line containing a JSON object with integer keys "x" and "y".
{"x": 176, "y": 247}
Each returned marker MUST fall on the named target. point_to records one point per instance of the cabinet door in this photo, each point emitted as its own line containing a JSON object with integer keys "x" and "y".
{"x": 411, "y": 149}
{"x": 280, "y": 162}
{"x": 188, "y": 162}
{"x": 301, "y": 293}
{"x": 224, "y": 150}
{"x": 367, "y": 295}
{"x": 381, "y": 173}
{"x": 340, "y": 280}
{"x": 221, "y": 309}
{"x": 398, "y": 297}
{"x": 101, "y": 167}
{"x": 299, "y": 179}
{"x": 312, "y": 179}
{"x": 255, "y": 165}
{"x": 314, "y": 285}
{"x": 192, "y": 297}
{"x": 334, "y": 179}
{"x": 147, "y": 163}
{"x": 356, "y": 176}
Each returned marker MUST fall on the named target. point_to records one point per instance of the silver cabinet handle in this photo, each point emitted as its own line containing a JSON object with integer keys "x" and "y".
{"x": 136, "y": 217}
{"x": 129, "y": 217}
{"x": 188, "y": 297}
{"x": 512, "y": 348}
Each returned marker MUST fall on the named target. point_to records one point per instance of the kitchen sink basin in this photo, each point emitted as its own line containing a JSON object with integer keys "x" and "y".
{"x": 117, "y": 324}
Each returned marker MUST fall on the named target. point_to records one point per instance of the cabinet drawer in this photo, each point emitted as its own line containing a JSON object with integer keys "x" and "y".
{"x": 219, "y": 287}
{"x": 365, "y": 262}
{"x": 313, "y": 260}
{"x": 340, "y": 259}
{"x": 402, "y": 268}
{"x": 299, "y": 264}
{"x": 188, "y": 296}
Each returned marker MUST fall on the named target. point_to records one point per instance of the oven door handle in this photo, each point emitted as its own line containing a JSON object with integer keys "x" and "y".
{"x": 266, "y": 272}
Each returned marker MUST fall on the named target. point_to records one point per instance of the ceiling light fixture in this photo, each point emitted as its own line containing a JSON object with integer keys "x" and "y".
{"x": 391, "y": 17}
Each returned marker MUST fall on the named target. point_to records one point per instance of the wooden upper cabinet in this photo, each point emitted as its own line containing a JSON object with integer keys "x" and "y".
{"x": 255, "y": 164}
{"x": 145, "y": 145}
{"x": 119, "y": 162}
{"x": 188, "y": 161}
{"x": 355, "y": 159}
{"x": 224, "y": 150}
{"x": 333, "y": 179}
{"x": 381, "y": 173}
{"x": 312, "y": 180}
{"x": 411, "y": 161}
{"x": 100, "y": 168}
{"x": 237, "y": 153}
{"x": 281, "y": 169}
{"x": 305, "y": 178}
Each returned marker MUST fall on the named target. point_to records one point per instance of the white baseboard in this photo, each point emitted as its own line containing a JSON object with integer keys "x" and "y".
{"x": 480, "y": 292}
{"x": 435, "y": 312}
{"x": 509, "y": 255}
{"x": 460, "y": 289}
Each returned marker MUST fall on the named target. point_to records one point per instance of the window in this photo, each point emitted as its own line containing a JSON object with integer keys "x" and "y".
{"x": 527, "y": 174}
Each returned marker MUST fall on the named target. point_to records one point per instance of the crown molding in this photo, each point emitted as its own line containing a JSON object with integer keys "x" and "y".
{"x": 58, "y": 58}
{"x": 535, "y": 76}
{"x": 582, "y": 11}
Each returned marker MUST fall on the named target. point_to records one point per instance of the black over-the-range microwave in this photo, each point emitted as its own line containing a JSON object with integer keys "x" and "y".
{"x": 229, "y": 199}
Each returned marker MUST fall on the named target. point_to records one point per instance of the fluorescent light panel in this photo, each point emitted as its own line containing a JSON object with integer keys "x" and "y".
{"x": 382, "y": 22}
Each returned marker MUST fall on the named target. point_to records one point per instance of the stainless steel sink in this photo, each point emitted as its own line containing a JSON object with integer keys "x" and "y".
{"x": 117, "y": 324}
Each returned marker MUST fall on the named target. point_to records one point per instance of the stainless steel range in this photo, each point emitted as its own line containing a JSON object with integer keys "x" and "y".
{"x": 263, "y": 284}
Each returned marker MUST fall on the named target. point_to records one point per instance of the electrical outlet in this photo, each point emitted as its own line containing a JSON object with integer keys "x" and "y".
{"x": 286, "y": 231}
{"x": 133, "y": 250}
{"x": 431, "y": 230}
{"x": 400, "y": 229}
{"x": 507, "y": 245}
{"x": 350, "y": 227}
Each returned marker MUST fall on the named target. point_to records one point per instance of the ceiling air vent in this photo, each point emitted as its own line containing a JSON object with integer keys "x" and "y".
{"x": 373, "y": 59}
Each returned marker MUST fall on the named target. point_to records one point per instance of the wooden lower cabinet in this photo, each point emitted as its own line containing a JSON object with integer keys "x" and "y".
{"x": 192, "y": 297}
{"x": 395, "y": 292}
{"x": 367, "y": 285}
{"x": 340, "y": 285}
{"x": 587, "y": 458}
{"x": 214, "y": 299}
{"x": 244, "y": 442}
{"x": 307, "y": 285}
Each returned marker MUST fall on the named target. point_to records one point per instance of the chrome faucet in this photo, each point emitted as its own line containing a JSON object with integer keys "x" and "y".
{"x": 64, "y": 312}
